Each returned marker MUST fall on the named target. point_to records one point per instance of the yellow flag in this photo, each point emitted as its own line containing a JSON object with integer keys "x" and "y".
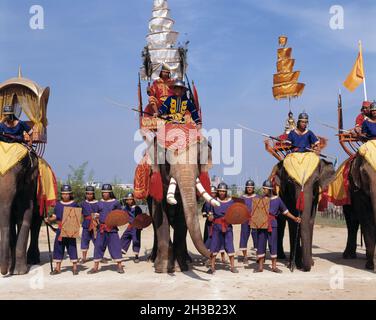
{"x": 356, "y": 76}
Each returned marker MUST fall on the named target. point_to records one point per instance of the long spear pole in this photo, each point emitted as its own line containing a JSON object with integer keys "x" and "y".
{"x": 364, "y": 74}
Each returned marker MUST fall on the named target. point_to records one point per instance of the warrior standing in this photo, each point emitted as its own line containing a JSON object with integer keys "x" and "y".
{"x": 107, "y": 236}
{"x": 222, "y": 234}
{"x": 245, "y": 228}
{"x": 89, "y": 208}
{"x": 302, "y": 139}
{"x": 270, "y": 236}
{"x": 63, "y": 243}
{"x": 131, "y": 234}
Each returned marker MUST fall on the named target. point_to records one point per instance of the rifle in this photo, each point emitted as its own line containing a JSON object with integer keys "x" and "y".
{"x": 151, "y": 114}
{"x": 325, "y": 156}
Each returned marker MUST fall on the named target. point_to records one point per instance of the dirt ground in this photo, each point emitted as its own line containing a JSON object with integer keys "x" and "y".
{"x": 331, "y": 277}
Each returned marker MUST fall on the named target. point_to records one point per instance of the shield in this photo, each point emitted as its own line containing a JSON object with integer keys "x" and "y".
{"x": 260, "y": 213}
{"x": 70, "y": 226}
{"x": 237, "y": 213}
{"x": 142, "y": 221}
{"x": 117, "y": 218}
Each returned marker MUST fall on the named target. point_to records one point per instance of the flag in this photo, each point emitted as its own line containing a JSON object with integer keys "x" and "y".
{"x": 356, "y": 76}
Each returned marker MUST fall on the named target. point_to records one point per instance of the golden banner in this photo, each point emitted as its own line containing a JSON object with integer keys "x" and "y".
{"x": 284, "y": 66}
{"x": 284, "y": 78}
{"x": 290, "y": 90}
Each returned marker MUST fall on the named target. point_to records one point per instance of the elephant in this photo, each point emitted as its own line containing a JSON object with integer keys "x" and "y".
{"x": 362, "y": 188}
{"x": 289, "y": 193}
{"x": 18, "y": 216}
{"x": 178, "y": 206}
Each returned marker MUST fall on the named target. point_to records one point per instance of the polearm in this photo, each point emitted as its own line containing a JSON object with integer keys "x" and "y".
{"x": 191, "y": 97}
{"x": 151, "y": 114}
{"x": 48, "y": 239}
{"x": 140, "y": 99}
{"x": 325, "y": 156}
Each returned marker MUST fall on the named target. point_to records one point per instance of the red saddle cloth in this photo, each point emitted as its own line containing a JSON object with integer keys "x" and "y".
{"x": 142, "y": 179}
{"x": 178, "y": 136}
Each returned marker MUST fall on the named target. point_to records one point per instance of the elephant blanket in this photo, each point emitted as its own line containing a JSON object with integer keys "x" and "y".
{"x": 301, "y": 165}
{"x": 338, "y": 190}
{"x": 368, "y": 151}
{"x": 142, "y": 178}
{"x": 10, "y": 155}
{"x": 47, "y": 186}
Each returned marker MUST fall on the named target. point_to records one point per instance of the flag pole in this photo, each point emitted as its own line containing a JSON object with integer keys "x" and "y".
{"x": 364, "y": 74}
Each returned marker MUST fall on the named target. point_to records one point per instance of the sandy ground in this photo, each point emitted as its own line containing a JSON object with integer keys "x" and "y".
{"x": 331, "y": 277}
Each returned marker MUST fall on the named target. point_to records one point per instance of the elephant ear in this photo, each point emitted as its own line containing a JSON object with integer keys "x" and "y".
{"x": 326, "y": 173}
{"x": 275, "y": 175}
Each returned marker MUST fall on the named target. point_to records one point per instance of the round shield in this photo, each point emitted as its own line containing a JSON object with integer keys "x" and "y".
{"x": 237, "y": 213}
{"x": 142, "y": 221}
{"x": 117, "y": 218}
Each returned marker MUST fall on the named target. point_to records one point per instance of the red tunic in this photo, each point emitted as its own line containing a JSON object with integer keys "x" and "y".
{"x": 359, "y": 120}
{"x": 159, "y": 92}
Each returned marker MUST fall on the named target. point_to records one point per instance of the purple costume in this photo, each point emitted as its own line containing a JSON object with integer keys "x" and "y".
{"x": 222, "y": 235}
{"x": 245, "y": 228}
{"x": 107, "y": 237}
{"x": 302, "y": 142}
{"x": 264, "y": 236}
{"x": 68, "y": 243}
{"x": 132, "y": 234}
{"x": 88, "y": 207}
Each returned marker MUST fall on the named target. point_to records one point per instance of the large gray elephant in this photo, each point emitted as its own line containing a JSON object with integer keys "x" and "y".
{"x": 289, "y": 193}
{"x": 362, "y": 187}
{"x": 178, "y": 208}
{"x": 18, "y": 213}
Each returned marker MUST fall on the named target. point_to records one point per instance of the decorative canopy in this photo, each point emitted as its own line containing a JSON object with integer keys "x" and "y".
{"x": 285, "y": 81}
{"x": 29, "y": 97}
{"x": 161, "y": 47}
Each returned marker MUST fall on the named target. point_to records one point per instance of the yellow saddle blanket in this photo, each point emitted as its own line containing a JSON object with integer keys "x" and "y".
{"x": 368, "y": 151}
{"x": 301, "y": 165}
{"x": 10, "y": 155}
{"x": 338, "y": 189}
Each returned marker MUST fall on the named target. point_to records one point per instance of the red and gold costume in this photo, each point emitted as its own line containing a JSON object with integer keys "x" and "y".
{"x": 159, "y": 92}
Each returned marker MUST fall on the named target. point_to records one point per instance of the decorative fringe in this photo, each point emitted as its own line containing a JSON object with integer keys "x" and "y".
{"x": 324, "y": 199}
{"x": 205, "y": 181}
{"x": 156, "y": 186}
{"x": 300, "y": 202}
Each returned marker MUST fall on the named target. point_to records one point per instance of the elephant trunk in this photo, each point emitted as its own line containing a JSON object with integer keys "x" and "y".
{"x": 4, "y": 249}
{"x": 186, "y": 179}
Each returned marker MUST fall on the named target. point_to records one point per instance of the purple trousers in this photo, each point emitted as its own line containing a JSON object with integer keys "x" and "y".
{"x": 263, "y": 238}
{"x": 245, "y": 232}
{"x": 222, "y": 240}
{"x": 110, "y": 240}
{"x": 131, "y": 235}
{"x": 254, "y": 238}
{"x": 66, "y": 243}
{"x": 86, "y": 237}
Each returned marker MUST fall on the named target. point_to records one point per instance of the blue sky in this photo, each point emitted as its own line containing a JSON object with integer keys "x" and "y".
{"x": 90, "y": 50}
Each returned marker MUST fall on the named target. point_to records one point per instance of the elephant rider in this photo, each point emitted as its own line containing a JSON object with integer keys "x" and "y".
{"x": 245, "y": 228}
{"x": 301, "y": 139}
{"x": 107, "y": 236}
{"x": 369, "y": 124}
{"x": 12, "y": 129}
{"x": 270, "y": 236}
{"x": 89, "y": 208}
{"x": 176, "y": 106}
{"x": 131, "y": 234}
{"x": 364, "y": 114}
{"x": 61, "y": 243}
{"x": 207, "y": 209}
{"x": 222, "y": 234}
{"x": 160, "y": 90}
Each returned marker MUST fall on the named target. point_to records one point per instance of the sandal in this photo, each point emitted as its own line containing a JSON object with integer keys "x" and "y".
{"x": 55, "y": 272}
{"x": 93, "y": 271}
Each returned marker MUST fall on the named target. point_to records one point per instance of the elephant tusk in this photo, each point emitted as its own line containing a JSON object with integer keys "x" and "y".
{"x": 171, "y": 192}
{"x": 208, "y": 198}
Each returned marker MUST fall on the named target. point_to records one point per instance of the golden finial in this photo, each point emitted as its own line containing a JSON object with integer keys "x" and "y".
{"x": 282, "y": 41}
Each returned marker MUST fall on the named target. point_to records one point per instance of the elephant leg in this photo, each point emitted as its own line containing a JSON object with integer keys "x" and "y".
{"x": 12, "y": 244}
{"x": 153, "y": 254}
{"x": 295, "y": 250}
{"x": 22, "y": 240}
{"x": 352, "y": 224}
{"x": 33, "y": 253}
{"x": 281, "y": 234}
{"x": 5, "y": 233}
{"x": 180, "y": 245}
{"x": 369, "y": 239}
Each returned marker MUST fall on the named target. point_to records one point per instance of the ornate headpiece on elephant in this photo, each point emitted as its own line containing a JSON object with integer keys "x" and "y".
{"x": 106, "y": 188}
{"x": 222, "y": 187}
{"x": 8, "y": 110}
{"x": 267, "y": 185}
{"x": 303, "y": 117}
{"x": 66, "y": 188}
{"x": 90, "y": 189}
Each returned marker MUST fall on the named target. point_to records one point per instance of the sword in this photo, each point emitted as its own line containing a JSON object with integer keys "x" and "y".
{"x": 333, "y": 127}
{"x": 325, "y": 156}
